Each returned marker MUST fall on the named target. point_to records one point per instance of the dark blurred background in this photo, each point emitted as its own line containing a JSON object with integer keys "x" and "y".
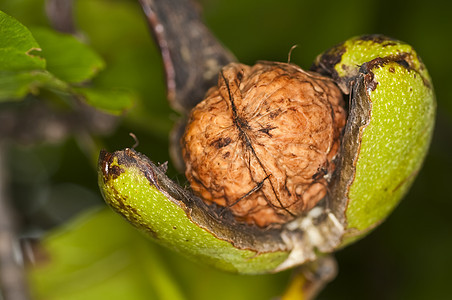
{"x": 407, "y": 257}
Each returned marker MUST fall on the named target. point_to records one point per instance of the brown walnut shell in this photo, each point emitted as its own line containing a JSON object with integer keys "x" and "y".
{"x": 263, "y": 142}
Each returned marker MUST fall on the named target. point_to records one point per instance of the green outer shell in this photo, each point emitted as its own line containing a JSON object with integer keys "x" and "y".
{"x": 393, "y": 145}
{"x": 130, "y": 193}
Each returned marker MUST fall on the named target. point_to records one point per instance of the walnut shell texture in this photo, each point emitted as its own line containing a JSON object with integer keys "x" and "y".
{"x": 263, "y": 142}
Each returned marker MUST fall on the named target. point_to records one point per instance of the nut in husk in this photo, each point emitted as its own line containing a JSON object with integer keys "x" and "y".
{"x": 274, "y": 145}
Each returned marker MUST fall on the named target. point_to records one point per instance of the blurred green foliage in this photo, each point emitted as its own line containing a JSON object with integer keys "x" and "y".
{"x": 100, "y": 256}
{"x": 408, "y": 257}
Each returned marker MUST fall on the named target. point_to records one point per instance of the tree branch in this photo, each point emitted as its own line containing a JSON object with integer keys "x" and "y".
{"x": 60, "y": 15}
{"x": 192, "y": 56}
{"x": 36, "y": 121}
{"x": 12, "y": 276}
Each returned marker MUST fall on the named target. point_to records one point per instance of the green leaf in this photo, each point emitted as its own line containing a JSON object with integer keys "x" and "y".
{"x": 64, "y": 61}
{"x": 99, "y": 258}
{"x": 111, "y": 101}
{"x": 21, "y": 70}
{"x": 16, "y": 60}
{"x": 17, "y": 46}
{"x": 67, "y": 58}
{"x": 16, "y": 85}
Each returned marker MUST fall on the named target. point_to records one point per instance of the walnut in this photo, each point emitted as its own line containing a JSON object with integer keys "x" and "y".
{"x": 263, "y": 142}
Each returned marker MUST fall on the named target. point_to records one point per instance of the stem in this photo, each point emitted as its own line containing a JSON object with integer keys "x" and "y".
{"x": 310, "y": 279}
{"x": 60, "y": 14}
{"x": 191, "y": 54}
{"x": 12, "y": 276}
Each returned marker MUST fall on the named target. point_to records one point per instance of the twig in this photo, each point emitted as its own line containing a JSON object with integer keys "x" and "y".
{"x": 192, "y": 56}
{"x": 37, "y": 121}
{"x": 60, "y": 14}
{"x": 12, "y": 276}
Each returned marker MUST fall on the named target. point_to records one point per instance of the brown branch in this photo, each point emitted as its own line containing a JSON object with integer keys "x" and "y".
{"x": 12, "y": 276}
{"x": 192, "y": 56}
{"x": 36, "y": 121}
{"x": 60, "y": 15}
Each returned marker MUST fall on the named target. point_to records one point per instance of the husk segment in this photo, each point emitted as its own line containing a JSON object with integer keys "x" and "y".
{"x": 389, "y": 129}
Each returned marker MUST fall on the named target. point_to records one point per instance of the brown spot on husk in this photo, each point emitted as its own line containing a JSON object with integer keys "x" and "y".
{"x": 326, "y": 62}
{"x": 109, "y": 171}
{"x": 379, "y": 39}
